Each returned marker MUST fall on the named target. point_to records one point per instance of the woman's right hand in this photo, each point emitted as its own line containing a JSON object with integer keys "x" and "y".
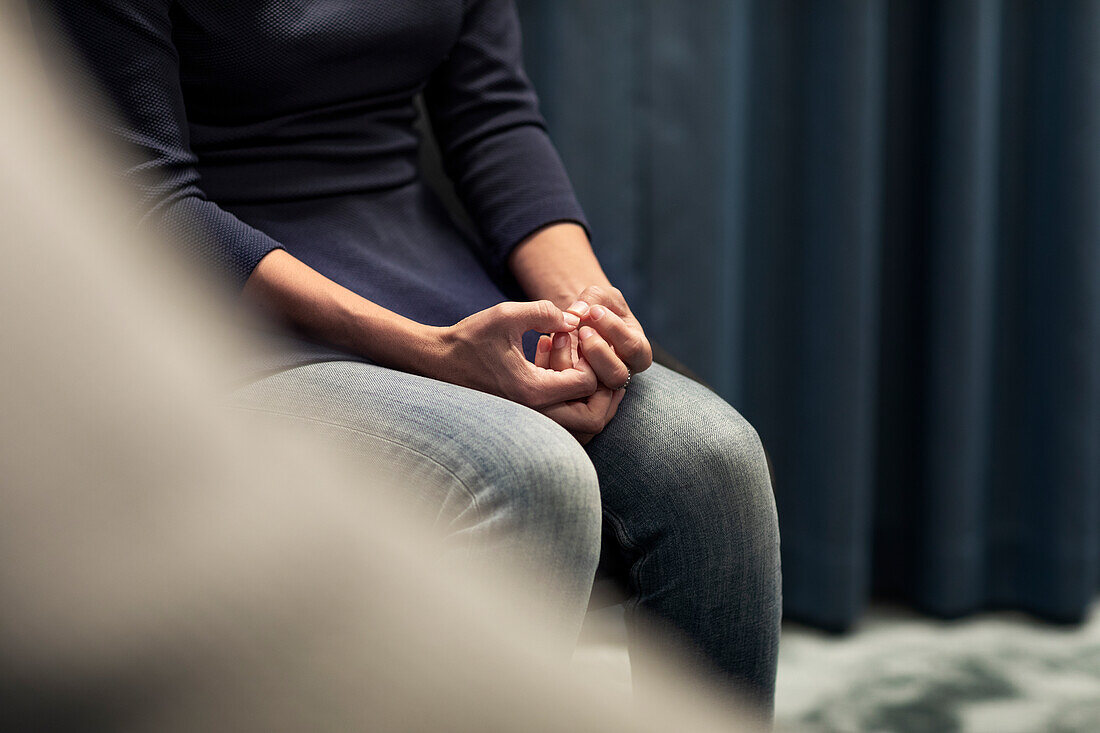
{"x": 485, "y": 352}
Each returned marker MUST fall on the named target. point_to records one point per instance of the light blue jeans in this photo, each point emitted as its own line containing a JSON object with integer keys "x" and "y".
{"x": 673, "y": 498}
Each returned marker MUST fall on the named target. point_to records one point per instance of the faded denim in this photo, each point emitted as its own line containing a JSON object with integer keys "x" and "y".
{"x": 675, "y": 489}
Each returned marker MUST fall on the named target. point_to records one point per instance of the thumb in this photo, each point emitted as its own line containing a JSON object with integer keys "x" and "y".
{"x": 540, "y": 315}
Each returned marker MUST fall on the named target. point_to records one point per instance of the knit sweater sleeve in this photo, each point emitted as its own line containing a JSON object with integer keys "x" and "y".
{"x": 126, "y": 47}
{"x": 495, "y": 146}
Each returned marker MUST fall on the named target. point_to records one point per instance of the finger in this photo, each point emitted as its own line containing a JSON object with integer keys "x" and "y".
{"x": 600, "y": 402}
{"x": 579, "y": 362}
{"x": 585, "y": 416}
{"x": 538, "y": 315}
{"x": 627, "y": 341}
{"x": 573, "y": 416}
{"x": 605, "y": 295}
{"x": 542, "y": 387}
{"x": 609, "y": 368}
{"x": 542, "y": 352}
{"x": 579, "y": 308}
{"x": 579, "y": 416}
{"x": 561, "y": 355}
{"x": 616, "y": 400}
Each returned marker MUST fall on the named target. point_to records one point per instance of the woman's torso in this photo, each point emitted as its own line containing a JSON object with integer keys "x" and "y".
{"x": 288, "y": 99}
{"x": 301, "y": 114}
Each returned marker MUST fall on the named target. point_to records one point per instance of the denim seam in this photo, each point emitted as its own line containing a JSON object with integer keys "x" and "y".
{"x": 619, "y": 529}
{"x": 330, "y": 423}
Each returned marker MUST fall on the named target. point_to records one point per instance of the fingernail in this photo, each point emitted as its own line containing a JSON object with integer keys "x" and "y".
{"x": 580, "y": 308}
{"x": 545, "y": 344}
{"x": 586, "y": 332}
{"x": 561, "y": 340}
{"x": 596, "y": 313}
{"x": 572, "y": 320}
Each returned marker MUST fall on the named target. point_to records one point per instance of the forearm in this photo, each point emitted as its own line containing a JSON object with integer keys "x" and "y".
{"x": 310, "y": 303}
{"x": 555, "y": 263}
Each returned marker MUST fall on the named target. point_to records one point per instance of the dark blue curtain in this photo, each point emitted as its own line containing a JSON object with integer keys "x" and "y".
{"x": 874, "y": 227}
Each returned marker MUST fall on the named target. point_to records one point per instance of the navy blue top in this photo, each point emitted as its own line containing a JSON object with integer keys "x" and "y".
{"x": 262, "y": 124}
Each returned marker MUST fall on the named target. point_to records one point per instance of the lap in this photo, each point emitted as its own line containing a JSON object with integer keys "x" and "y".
{"x": 443, "y": 443}
{"x": 443, "y": 420}
{"x": 671, "y": 444}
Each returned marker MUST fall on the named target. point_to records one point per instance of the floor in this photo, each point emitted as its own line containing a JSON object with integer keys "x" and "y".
{"x": 995, "y": 673}
{"x": 904, "y": 673}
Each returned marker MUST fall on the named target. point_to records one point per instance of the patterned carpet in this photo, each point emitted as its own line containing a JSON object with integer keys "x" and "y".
{"x": 903, "y": 673}
{"x": 997, "y": 673}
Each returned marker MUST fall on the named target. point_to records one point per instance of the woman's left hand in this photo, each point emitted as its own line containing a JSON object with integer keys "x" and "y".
{"x": 611, "y": 339}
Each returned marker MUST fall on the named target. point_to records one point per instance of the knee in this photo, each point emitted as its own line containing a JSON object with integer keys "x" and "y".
{"x": 546, "y": 486}
{"x": 560, "y": 481}
{"x": 740, "y": 482}
{"x": 724, "y": 503}
{"x": 730, "y": 451}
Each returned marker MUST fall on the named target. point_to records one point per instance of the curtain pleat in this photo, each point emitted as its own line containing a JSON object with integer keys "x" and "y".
{"x": 874, "y": 227}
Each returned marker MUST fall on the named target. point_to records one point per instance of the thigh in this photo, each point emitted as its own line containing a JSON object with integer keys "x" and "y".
{"x": 506, "y": 488}
{"x": 460, "y": 455}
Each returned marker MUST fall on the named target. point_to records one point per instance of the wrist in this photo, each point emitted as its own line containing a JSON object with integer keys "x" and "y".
{"x": 423, "y": 349}
{"x": 556, "y": 263}
{"x": 400, "y": 343}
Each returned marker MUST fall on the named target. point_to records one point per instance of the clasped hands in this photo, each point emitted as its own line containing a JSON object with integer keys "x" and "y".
{"x": 591, "y": 351}
{"x": 608, "y": 342}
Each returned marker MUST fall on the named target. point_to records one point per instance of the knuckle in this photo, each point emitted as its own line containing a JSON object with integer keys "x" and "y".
{"x": 595, "y": 292}
{"x": 633, "y": 345}
{"x": 545, "y": 309}
{"x": 614, "y": 372}
{"x": 591, "y": 381}
{"x": 508, "y": 309}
